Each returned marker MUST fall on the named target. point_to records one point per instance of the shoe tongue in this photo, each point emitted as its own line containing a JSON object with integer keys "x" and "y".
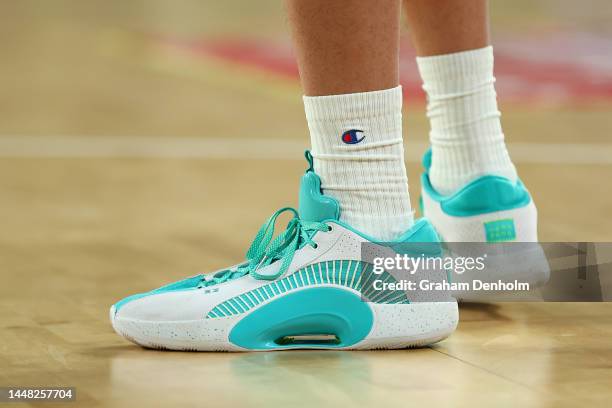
{"x": 314, "y": 205}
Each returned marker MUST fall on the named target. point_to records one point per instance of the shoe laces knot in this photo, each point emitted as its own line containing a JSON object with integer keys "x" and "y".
{"x": 265, "y": 250}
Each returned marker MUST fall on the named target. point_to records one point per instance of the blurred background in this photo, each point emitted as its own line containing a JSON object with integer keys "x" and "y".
{"x": 125, "y": 125}
{"x": 144, "y": 141}
{"x": 164, "y": 68}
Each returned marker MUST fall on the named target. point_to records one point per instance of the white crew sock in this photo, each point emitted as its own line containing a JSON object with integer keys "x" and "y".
{"x": 367, "y": 178}
{"x": 466, "y": 134}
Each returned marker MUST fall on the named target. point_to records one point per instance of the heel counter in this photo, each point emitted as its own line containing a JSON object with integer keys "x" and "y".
{"x": 423, "y": 231}
{"x": 421, "y": 239}
{"x": 486, "y": 195}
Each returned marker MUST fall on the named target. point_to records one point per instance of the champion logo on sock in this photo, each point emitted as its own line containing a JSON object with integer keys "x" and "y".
{"x": 352, "y": 136}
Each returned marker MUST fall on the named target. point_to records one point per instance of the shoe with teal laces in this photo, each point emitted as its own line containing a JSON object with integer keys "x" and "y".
{"x": 308, "y": 288}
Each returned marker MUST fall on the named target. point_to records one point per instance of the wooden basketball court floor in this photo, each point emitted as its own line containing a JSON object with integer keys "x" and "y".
{"x": 122, "y": 169}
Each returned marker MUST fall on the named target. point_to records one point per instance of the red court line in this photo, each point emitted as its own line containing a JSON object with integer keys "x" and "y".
{"x": 526, "y": 71}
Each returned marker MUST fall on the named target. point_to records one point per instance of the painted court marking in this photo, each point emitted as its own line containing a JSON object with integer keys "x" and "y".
{"x": 554, "y": 68}
{"x": 254, "y": 148}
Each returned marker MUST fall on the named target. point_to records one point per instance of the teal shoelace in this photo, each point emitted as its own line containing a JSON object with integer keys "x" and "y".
{"x": 264, "y": 251}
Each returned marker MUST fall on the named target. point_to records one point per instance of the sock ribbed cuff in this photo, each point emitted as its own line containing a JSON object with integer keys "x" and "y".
{"x": 377, "y": 114}
{"x": 454, "y": 72}
{"x": 353, "y": 106}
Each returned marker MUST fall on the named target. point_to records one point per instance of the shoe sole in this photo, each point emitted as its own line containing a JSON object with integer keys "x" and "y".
{"x": 395, "y": 327}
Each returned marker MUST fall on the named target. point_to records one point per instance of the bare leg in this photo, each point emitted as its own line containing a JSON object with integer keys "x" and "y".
{"x": 348, "y": 54}
{"x": 447, "y": 26}
{"x": 345, "y": 46}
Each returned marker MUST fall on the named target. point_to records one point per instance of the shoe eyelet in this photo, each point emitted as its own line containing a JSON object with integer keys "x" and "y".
{"x": 315, "y": 246}
{"x": 329, "y": 228}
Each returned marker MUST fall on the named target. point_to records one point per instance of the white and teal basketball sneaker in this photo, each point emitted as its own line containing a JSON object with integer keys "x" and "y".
{"x": 493, "y": 210}
{"x": 304, "y": 289}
